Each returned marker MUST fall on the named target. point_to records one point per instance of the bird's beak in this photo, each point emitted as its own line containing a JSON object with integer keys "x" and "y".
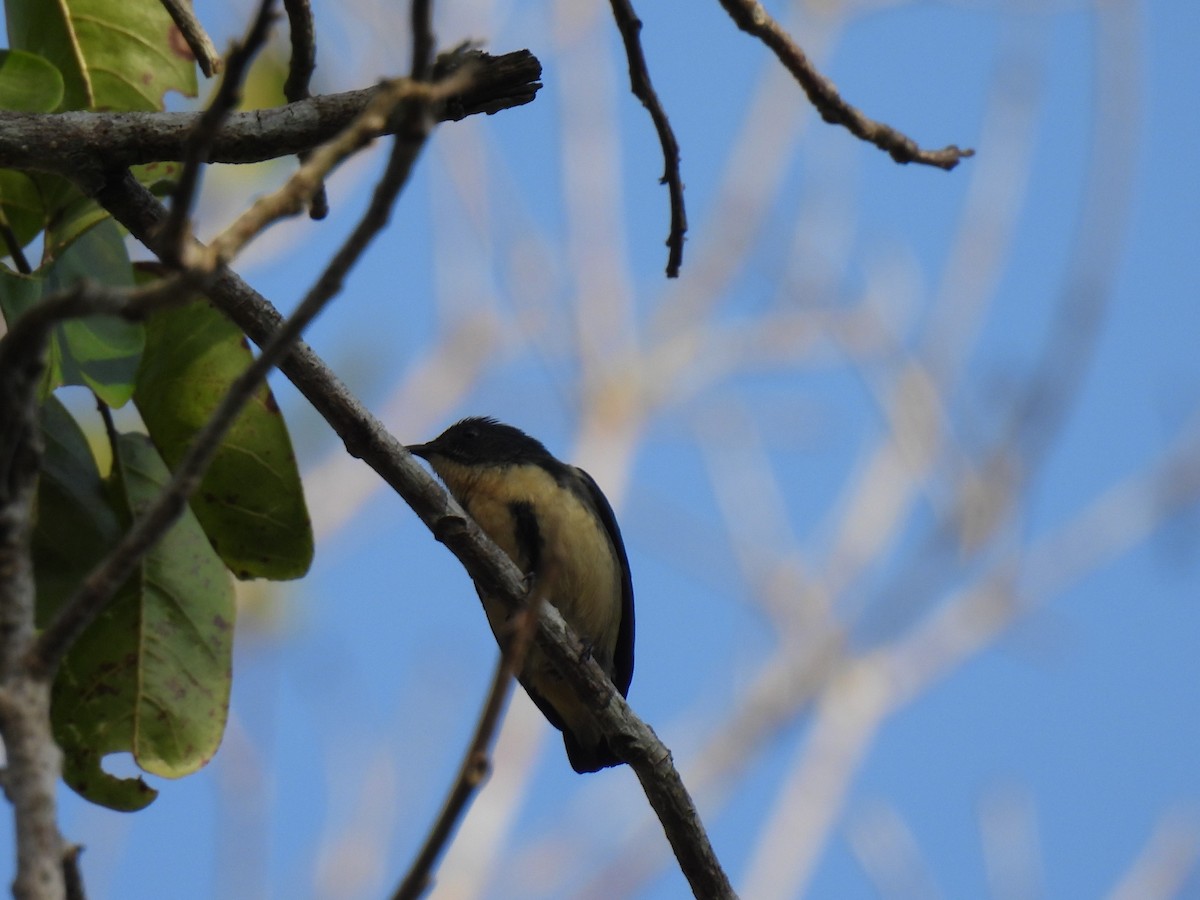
{"x": 421, "y": 450}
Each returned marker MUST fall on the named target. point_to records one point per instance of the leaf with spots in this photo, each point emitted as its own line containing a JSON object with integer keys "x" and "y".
{"x": 113, "y": 54}
{"x": 151, "y": 675}
{"x": 251, "y": 501}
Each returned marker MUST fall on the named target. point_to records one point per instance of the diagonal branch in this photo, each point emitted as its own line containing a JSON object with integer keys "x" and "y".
{"x": 750, "y": 16}
{"x": 475, "y": 763}
{"x": 194, "y": 34}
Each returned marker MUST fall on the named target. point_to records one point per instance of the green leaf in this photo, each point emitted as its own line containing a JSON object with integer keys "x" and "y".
{"x": 99, "y": 352}
{"x": 76, "y": 523}
{"x": 151, "y": 676}
{"x": 67, "y": 213}
{"x": 17, "y": 294}
{"x": 20, "y": 205}
{"x": 29, "y": 83}
{"x": 251, "y": 502}
{"x": 113, "y": 54}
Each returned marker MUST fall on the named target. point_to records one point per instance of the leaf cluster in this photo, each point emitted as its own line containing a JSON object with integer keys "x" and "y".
{"x": 151, "y": 675}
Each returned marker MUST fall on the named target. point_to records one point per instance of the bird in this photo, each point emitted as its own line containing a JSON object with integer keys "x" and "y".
{"x": 555, "y": 524}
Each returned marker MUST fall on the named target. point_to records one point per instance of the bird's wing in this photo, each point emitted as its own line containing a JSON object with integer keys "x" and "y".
{"x": 623, "y": 652}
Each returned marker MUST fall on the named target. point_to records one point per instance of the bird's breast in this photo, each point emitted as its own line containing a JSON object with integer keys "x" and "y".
{"x": 574, "y": 564}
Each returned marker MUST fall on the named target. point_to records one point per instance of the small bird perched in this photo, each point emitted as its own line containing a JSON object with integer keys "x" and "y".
{"x": 557, "y": 527}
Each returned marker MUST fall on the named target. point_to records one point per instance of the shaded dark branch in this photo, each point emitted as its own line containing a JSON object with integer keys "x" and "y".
{"x": 630, "y": 27}
{"x": 196, "y": 148}
{"x": 193, "y": 32}
{"x": 100, "y": 585}
{"x": 87, "y": 145}
{"x": 301, "y": 65}
{"x": 303, "y": 60}
{"x": 750, "y": 16}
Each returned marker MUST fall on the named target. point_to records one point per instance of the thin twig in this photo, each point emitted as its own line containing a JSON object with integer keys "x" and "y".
{"x": 300, "y": 69}
{"x": 97, "y": 589}
{"x": 15, "y": 251}
{"x": 475, "y": 763}
{"x": 200, "y": 141}
{"x": 193, "y": 32}
{"x": 72, "y": 875}
{"x": 423, "y": 40}
{"x": 750, "y": 16}
{"x": 89, "y": 298}
{"x": 630, "y": 27}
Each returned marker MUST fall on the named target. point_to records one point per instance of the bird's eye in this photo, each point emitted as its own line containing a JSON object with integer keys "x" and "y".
{"x": 470, "y": 438}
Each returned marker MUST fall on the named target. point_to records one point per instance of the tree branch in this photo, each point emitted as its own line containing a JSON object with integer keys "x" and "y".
{"x": 85, "y": 146}
{"x": 751, "y": 17}
{"x": 423, "y": 40}
{"x": 471, "y": 773}
{"x": 31, "y": 763}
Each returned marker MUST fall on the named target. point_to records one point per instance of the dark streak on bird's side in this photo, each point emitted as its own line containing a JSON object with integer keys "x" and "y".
{"x": 529, "y": 538}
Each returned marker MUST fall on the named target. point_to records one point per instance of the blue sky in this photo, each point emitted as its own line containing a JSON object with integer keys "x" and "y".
{"x": 356, "y": 688}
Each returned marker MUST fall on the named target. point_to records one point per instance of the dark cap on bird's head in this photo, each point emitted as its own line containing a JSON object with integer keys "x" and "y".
{"x": 482, "y": 440}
